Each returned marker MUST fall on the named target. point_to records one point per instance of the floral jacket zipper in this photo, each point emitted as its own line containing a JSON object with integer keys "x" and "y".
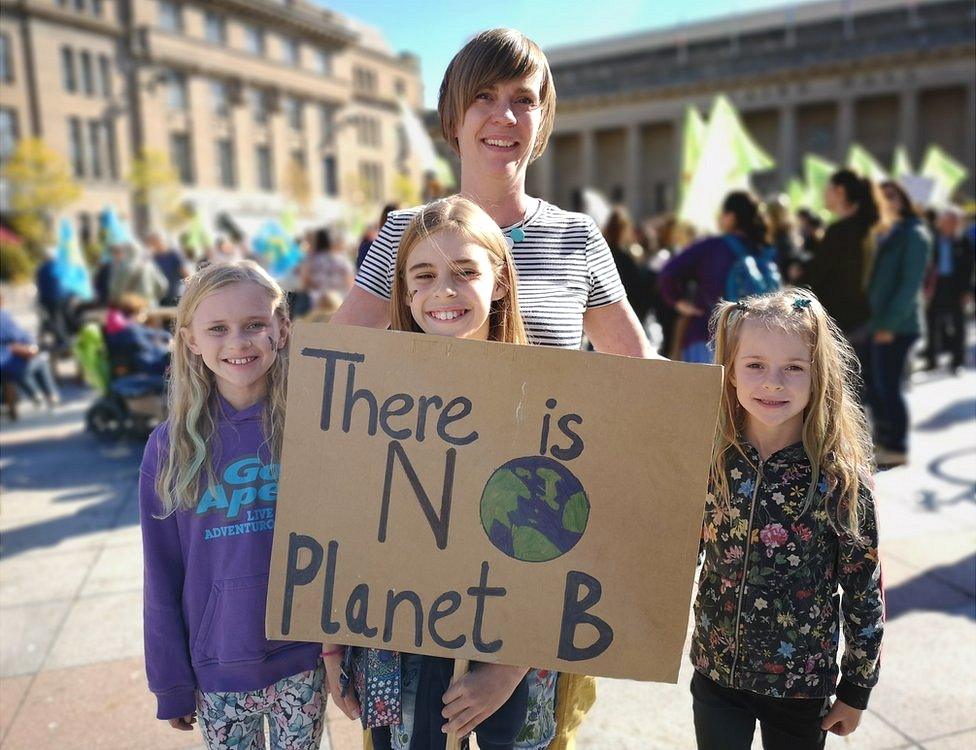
{"x": 745, "y": 570}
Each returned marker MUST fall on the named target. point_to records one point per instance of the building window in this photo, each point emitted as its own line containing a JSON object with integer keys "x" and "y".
{"x": 6, "y": 64}
{"x": 170, "y": 16}
{"x": 215, "y": 28}
{"x": 105, "y": 75}
{"x": 330, "y": 177}
{"x": 262, "y": 156}
{"x": 96, "y": 7}
{"x": 294, "y": 112}
{"x": 226, "y": 168}
{"x": 371, "y": 177}
{"x": 364, "y": 80}
{"x": 323, "y": 62}
{"x": 87, "y": 74}
{"x": 176, "y": 97}
{"x": 113, "y": 164}
{"x": 68, "y": 79}
{"x": 76, "y": 147}
{"x": 181, "y": 156}
{"x": 95, "y": 147}
{"x": 220, "y": 98}
{"x": 254, "y": 40}
{"x": 290, "y": 51}
{"x": 327, "y": 113}
{"x": 368, "y": 131}
{"x": 8, "y": 132}
{"x": 259, "y": 104}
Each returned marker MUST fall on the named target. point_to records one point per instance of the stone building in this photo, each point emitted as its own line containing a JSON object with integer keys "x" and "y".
{"x": 251, "y": 100}
{"x": 807, "y": 78}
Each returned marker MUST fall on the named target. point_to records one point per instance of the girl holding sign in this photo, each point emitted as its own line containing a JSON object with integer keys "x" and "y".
{"x": 789, "y": 517}
{"x": 207, "y": 493}
{"x": 454, "y": 277}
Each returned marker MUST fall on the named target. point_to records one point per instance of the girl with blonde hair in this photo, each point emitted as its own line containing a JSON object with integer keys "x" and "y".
{"x": 789, "y": 517}
{"x": 207, "y": 491}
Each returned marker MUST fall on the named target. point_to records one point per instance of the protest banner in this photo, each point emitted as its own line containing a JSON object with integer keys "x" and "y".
{"x": 501, "y": 503}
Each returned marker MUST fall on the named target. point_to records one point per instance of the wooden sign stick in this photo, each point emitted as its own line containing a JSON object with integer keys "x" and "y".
{"x": 461, "y": 667}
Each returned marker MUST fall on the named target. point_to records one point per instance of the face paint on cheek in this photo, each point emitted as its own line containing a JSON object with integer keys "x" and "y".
{"x": 411, "y": 294}
{"x": 274, "y": 346}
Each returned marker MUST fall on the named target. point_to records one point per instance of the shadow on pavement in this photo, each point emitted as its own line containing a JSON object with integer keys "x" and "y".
{"x": 935, "y": 590}
{"x": 85, "y": 471}
{"x": 963, "y": 410}
{"x": 954, "y": 468}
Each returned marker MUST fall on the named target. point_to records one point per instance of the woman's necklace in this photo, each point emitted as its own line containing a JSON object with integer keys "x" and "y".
{"x": 516, "y": 233}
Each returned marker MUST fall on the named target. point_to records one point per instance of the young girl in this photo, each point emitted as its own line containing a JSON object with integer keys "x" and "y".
{"x": 207, "y": 493}
{"x": 455, "y": 277}
{"x": 789, "y": 517}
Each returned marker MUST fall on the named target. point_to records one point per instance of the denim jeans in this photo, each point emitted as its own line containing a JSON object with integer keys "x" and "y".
{"x": 883, "y": 379}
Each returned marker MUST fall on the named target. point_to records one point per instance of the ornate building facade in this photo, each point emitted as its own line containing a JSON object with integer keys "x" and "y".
{"x": 808, "y": 78}
{"x": 251, "y": 101}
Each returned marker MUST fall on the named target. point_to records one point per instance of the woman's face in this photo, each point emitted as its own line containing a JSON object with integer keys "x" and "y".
{"x": 835, "y": 199}
{"x": 892, "y": 199}
{"x": 726, "y": 222}
{"x": 498, "y": 132}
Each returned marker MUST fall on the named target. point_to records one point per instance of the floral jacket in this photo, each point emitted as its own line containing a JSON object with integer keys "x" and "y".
{"x": 768, "y": 610}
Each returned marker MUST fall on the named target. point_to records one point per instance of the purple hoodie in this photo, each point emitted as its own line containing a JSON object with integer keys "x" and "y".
{"x": 206, "y": 573}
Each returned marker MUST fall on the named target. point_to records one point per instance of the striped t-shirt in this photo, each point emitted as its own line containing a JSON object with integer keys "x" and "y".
{"x": 564, "y": 268}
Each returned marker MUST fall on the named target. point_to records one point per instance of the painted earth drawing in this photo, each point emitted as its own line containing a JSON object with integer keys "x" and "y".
{"x": 534, "y": 509}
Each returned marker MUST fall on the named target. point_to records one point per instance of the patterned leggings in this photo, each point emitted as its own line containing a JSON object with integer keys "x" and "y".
{"x": 295, "y": 707}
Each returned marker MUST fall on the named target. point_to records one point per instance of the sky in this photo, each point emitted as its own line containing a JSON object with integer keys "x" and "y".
{"x": 436, "y": 29}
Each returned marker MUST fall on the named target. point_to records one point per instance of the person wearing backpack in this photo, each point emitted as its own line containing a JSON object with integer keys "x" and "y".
{"x": 735, "y": 264}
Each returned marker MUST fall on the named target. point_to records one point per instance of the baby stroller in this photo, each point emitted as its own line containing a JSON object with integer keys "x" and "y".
{"x": 131, "y": 404}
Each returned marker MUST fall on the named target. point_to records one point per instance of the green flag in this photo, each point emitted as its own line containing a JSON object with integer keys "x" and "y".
{"x": 727, "y": 157}
{"x": 817, "y": 172}
{"x": 796, "y": 191}
{"x": 860, "y": 160}
{"x": 197, "y": 237}
{"x": 901, "y": 165}
{"x": 945, "y": 171}
{"x": 692, "y": 139}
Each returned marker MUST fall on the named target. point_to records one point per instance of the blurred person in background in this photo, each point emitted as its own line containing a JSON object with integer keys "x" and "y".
{"x": 840, "y": 263}
{"x": 894, "y": 296}
{"x": 709, "y": 264}
{"x": 142, "y": 349}
{"x": 810, "y": 230}
{"x": 949, "y": 285}
{"x": 23, "y": 363}
{"x": 59, "y": 305}
{"x": 628, "y": 258}
{"x": 326, "y": 268}
{"x": 173, "y": 265}
{"x": 370, "y": 234}
{"x": 131, "y": 271}
{"x": 783, "y": 238}
{"x": 225, "y": 251}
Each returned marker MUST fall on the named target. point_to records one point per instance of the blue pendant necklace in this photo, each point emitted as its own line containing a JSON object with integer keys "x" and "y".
{"x": 516, "y": 233}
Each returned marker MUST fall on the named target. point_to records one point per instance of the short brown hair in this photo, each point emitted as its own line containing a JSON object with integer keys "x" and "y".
{"x": 493, "y": 56}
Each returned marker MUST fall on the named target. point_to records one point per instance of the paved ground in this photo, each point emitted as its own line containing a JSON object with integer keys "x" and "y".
{"x": 71, "y": 672}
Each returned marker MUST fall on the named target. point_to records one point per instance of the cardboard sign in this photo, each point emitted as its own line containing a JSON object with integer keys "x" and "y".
{"x": 502, "y": 503}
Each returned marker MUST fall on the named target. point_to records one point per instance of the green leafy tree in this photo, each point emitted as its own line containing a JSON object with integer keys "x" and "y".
{"x": 156, "y": 186}
{"x": 41, "y": 186}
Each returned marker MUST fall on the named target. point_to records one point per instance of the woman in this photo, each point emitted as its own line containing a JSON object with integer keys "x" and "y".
{"x": 706, "y": 265}
{"x": 894, "y": 297}
{"x": 839, "y": 267}
{"x": 621, "y": 237}
{"x": 497, "y": 105}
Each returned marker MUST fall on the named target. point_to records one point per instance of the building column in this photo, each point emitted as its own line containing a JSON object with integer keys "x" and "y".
{"x": 633, "y": 171}
{"x": 787, "y": 143}
{"x": 845, "y": 127}
{"x": 544, "y": 172}
{"x": 588, "y": 158}
{"x": 908, "y": 123}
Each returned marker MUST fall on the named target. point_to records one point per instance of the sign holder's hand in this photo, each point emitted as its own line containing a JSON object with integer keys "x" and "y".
{"x": 474, "y": 696}
{"x": 341, "y": 692}
{"x": 184, "y": 723}
{"x": 461, "y": 667}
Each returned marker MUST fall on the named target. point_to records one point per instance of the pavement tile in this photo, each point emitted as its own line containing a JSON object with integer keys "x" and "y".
{"x": 116, "y": 569}
{"x": 343, "y": 734}
{"x": 925, "y": 688}
{"x": 961, "y": 741}
{"x": 12, "y": 691}
{"x": 87, "y": 528}
{"x": 908, "y": 589}
{"x": 26, "y": 634}
{"x": 36, "y": 578}
{"x": 105, "y": 706}
{"x": 99, "y": 628}
{"x": 952, "y": 560}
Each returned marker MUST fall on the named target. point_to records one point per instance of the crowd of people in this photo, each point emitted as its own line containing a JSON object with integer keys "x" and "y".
{"x": 886, "y": 270}
{"x": 793, "y": 309}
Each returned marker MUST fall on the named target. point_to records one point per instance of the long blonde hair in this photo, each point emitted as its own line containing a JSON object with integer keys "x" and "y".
{"x": 471, "y": 222}
{"x": 835, "y": 431}
{"x": 192, "y": 389}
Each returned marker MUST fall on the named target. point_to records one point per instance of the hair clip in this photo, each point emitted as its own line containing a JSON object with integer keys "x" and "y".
{"x": 801, "y": 303}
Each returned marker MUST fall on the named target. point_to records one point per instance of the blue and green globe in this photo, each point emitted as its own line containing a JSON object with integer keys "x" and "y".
{"x": 534, "y": 509}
